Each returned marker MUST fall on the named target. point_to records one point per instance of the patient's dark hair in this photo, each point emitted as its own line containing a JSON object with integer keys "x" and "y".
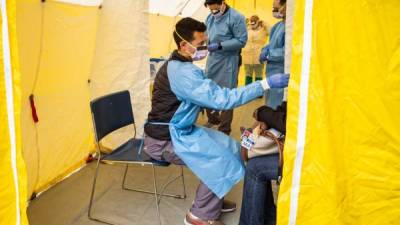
{"x": 186, "y": 28}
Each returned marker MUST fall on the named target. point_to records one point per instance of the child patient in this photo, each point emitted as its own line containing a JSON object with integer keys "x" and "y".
{"x": 264, "y": 164}
{"x": 267, "y": 133}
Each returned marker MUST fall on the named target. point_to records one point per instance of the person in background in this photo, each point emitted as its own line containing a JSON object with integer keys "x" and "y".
{"x": 274, "y": 52}
{"x": 258, "y": 206}
{"x": 227, "y": 35}
{"x": 258, "y": 35}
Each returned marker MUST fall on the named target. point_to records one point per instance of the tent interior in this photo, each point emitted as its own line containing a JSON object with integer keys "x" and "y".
{"x": 74, "y": 51}
{"x": 342, "y": 154}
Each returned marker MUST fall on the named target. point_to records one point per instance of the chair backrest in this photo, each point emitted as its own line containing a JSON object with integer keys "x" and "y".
{"x": 111, "y": 112}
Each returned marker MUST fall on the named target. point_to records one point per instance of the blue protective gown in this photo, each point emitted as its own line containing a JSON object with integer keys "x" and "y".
{"x": 213, "y": 156}
{"x": 276, "y": 62}
{"x": 229, "y": 30}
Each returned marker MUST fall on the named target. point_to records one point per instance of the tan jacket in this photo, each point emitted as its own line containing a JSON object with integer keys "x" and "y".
{"x": 263, "y": 145}
{"x": 257, "y": 39}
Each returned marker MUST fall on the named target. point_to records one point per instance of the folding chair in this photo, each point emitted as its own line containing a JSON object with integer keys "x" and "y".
{"x": 110, "y": 113}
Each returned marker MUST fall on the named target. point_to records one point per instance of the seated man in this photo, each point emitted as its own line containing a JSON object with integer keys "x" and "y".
{"x": 180, "y": 91}
{"x": 258, "y": 207}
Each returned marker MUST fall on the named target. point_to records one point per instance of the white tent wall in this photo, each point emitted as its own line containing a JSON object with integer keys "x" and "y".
{"x": 121, "y": 60}
{"x": 163, "y": 16}
{"x": 182, "y": 8}
{"x": 288, "y": 34}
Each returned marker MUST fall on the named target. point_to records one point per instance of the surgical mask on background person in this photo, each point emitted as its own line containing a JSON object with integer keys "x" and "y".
{"x": 215, "y": 11}
{"x": 218, "y": 12}
{"x": 199, "y": 53}
{"x": 277, "y": 14}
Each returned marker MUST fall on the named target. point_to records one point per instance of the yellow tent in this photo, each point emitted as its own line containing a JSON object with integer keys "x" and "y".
{"x": 342, "y": 154}
{"x": 70, "y": 51}
{"x": 12, "y": 168}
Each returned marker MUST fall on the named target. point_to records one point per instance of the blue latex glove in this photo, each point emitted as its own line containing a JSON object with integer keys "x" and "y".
{"x": 279, "y": 80}
{"x": 212, "y": 47}
{"x": 264, "y": 54}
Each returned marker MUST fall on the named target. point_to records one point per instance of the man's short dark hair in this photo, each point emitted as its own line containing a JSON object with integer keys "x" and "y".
{"x": 186, "y": 28}
{"x": 282, "y": 2}
{"x": 209, "y": 2}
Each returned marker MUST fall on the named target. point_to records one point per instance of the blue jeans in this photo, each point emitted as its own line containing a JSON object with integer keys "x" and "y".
{"x": 258, "y": 207}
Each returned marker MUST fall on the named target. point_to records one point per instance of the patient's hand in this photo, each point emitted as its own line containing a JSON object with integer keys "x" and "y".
{"x": 242, "y": 129}
{"x": 263, "y": 126}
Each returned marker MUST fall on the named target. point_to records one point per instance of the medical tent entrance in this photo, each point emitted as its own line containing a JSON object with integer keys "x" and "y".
{"x": 342, "y": 148}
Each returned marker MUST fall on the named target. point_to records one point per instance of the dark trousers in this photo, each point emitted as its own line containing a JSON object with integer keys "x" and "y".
{"x": 223, "y": 118}
{"x": 206, "y": 205}
{"x": 258, "y": 207}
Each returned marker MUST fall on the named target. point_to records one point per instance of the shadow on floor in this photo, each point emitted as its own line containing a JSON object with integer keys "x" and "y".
{"x": 67, "y": 202}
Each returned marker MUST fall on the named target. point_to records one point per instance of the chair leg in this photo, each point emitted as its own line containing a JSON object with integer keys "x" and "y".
{"x": 183, "y": 184}
{"x": 93, "y": 188}
{"x": 156, "y": 194}
{"x": 152, "y": 192}
{"x": 124, "y": 179}
{"x": 92, "y": 194}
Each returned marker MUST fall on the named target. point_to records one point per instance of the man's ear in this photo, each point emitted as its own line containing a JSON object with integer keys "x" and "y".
{"x": 182, "y": 44}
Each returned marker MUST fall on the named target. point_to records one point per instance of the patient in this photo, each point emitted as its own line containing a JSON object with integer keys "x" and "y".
{"x": 258, "y": 207}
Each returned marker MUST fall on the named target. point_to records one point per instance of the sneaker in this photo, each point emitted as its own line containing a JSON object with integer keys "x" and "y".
{"x": 228, "y": 206}
{"x": 190, "y": 219}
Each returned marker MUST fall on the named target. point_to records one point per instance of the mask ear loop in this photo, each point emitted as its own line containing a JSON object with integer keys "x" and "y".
{"x": 183, "y": 39}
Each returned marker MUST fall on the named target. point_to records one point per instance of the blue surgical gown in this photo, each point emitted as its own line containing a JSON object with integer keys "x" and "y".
{"x": 213, "y": 156}
{"x": 276, "y": 62}
{"x": 229, "y": 30}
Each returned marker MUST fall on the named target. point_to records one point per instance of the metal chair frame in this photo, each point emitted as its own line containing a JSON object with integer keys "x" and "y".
{"x": 157, "y": 195}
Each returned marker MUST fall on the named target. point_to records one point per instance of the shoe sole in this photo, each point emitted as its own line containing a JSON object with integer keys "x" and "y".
{"x": 228, "y": 210}
{"x": 186, "y": 222}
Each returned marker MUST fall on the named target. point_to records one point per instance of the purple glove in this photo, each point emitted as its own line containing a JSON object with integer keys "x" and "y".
{"x": 264, "y": 54}
{"x": 279, "y": 80}
{"x": 212, "y": 47}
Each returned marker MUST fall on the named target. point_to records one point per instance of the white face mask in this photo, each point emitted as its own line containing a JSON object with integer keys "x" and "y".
{"x": 199, "y": 55}
{"x": 200, "y": 52}
{"x": 218, "y": 12}
{"x": 277, "y": 15}
{"x": 215, "y": 11}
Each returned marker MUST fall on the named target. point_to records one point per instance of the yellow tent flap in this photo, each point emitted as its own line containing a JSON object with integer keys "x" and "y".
{"x": 342, "y": 153}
